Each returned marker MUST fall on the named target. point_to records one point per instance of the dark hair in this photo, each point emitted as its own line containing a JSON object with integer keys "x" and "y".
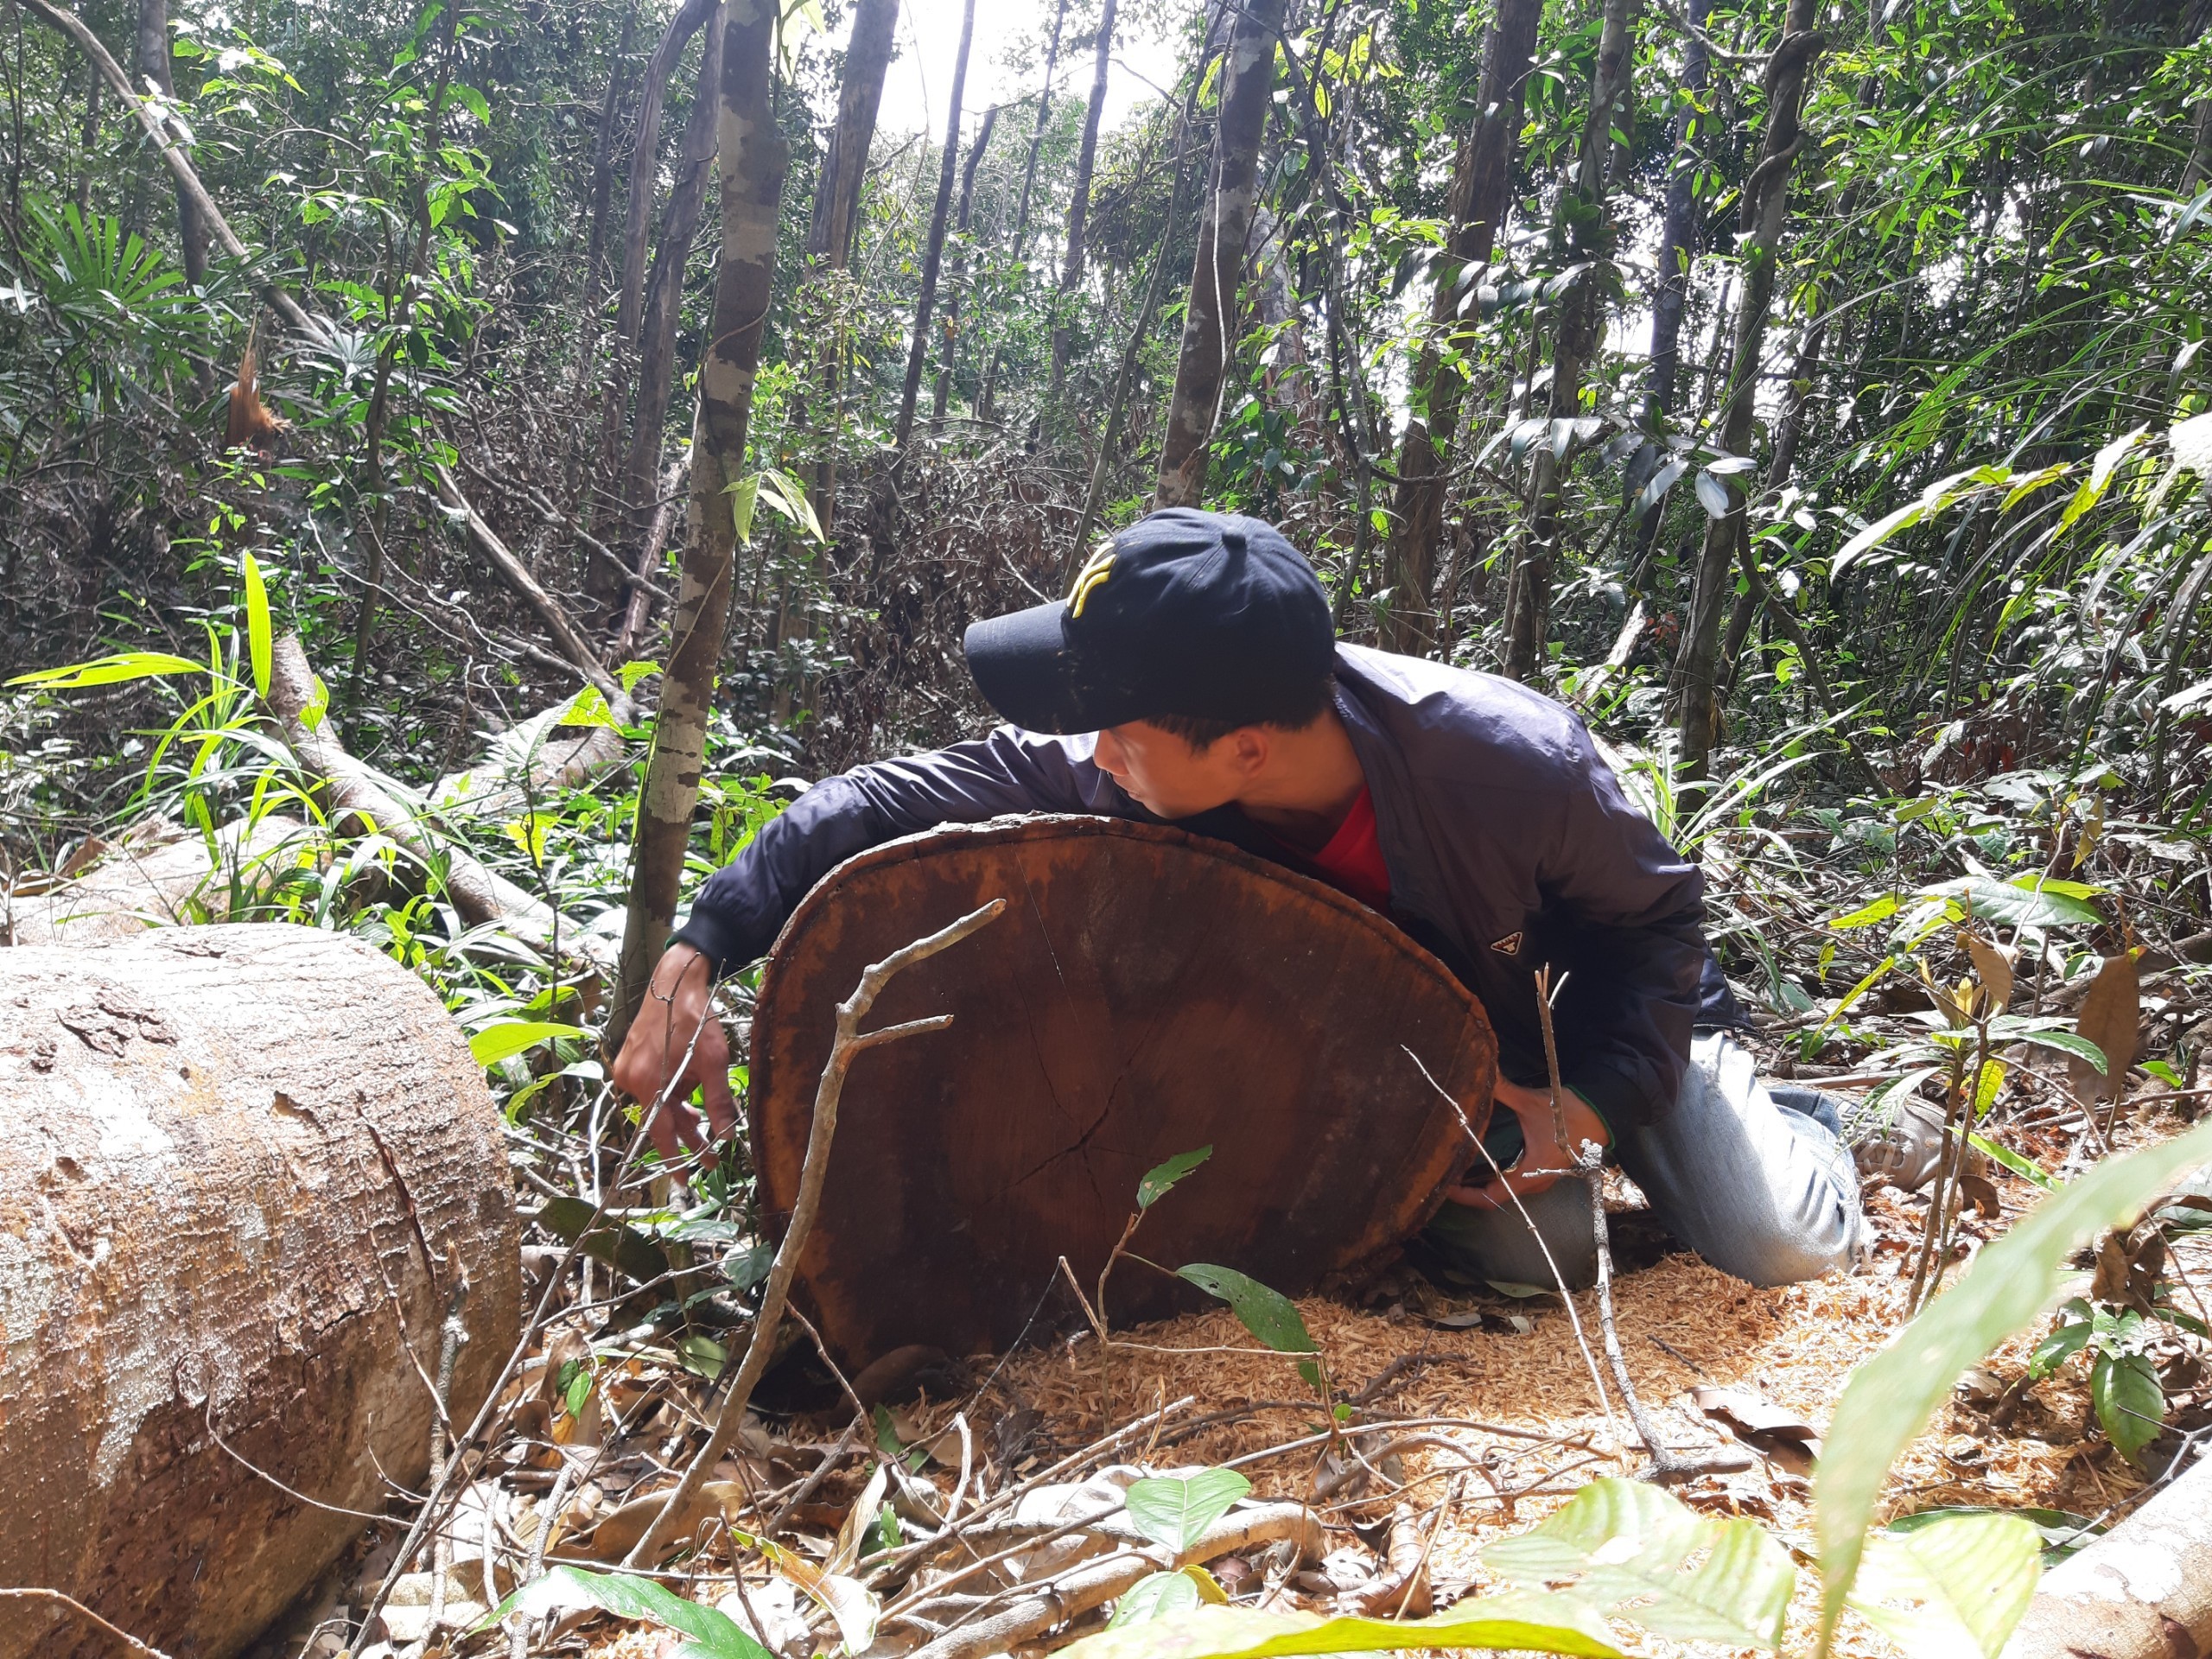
{"x": 1292, "y": 712}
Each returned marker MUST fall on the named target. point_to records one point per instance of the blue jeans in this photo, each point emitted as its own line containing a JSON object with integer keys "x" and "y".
{"x": 1757, "y": 1179}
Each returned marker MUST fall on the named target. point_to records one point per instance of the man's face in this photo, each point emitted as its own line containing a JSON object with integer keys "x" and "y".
{"x": 1170, "y": 778}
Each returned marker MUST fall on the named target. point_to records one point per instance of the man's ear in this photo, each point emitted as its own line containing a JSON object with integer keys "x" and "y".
{"x": 1249, "y": 748}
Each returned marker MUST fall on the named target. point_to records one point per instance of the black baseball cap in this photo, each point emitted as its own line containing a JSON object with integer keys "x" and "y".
{"x": 1211, "y": 616}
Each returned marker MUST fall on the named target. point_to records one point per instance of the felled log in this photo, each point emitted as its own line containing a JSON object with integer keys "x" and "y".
{"x": 2143, "y": 1591}
{"x": 1148, "y": 993}
{"x": 240, "y": 1169}
{"x": 157, "y": 875}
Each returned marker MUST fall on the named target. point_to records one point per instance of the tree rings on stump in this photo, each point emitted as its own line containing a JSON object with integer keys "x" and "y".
{"x": 1145, "y": 993}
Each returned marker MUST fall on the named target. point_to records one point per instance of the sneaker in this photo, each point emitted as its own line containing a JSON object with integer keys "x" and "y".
{"x": 1899, "y": 1141}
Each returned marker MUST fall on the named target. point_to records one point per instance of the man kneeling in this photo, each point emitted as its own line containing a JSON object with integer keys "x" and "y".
{"x": 1192, "y": 677}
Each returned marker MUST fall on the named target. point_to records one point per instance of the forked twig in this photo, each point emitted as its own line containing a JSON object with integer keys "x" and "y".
{"x": 850, "y": 1042}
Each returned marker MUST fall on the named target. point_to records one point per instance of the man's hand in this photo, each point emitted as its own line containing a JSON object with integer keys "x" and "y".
{"x": 1544, "y": 1161}
{"x": 676, "y": 1045}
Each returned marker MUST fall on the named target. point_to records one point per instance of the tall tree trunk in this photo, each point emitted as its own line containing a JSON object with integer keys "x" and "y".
{"x": 1086, "y": 160}
{"x": 959, "y": 268}
{"x": 1290, "y": 381}
{"x": 1209, "y": 318}
{"x": 1482, "y": 178}
{"x": 1586, "y": 231}
{"x": 603, "y": 167}
{"x": 600, "y": 584}
{"x": 984, "y": 399}
{"x": 933, "y": 251}
{"x": 1765, "y": 196}
{"x": 754, "y": 159}
{"x": 829, "y": 231}
{"x": 664, "y": 296}
{"x": 860, "y": 94}
{"x": 154, "y": 52}
{"x": 1670, "y": 290}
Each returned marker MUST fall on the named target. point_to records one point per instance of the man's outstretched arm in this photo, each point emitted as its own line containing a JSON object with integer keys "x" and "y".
{"x": 743, "y": 906}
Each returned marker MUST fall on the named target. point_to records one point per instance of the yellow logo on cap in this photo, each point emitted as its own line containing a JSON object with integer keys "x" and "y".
{"x": 1093, "y": 574}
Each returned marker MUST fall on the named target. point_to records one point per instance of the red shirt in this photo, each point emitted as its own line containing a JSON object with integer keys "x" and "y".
{"x": 1352, "y": 862}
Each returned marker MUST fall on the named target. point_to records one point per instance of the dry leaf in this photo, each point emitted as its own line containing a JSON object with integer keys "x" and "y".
{"x": 1770, "y": 1427}
{"x": 2111, "y": 1017}
{"x": 1994, "y": 969}
{"x": 620, "y": 1529}
{"x": 858, "y": 1520}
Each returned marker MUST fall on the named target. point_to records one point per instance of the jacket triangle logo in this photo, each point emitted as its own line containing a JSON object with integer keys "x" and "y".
{"x": 1509, "y": 946}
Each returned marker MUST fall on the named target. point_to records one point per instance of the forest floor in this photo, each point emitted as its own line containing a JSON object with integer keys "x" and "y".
{"x": 1490, "y": 1420}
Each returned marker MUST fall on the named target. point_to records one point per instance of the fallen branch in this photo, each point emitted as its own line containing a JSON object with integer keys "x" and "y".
{"x": 479, "y": 894}
{"x": 1095, "y": 1583}
{"x": 550, "y": 610}
{"x": 851, "y": 1042}
{"x": 2143, "y": 1591}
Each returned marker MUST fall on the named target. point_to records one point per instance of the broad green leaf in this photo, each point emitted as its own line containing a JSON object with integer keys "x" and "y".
{"x": 631, "y": 673}
{"x": 2066, "y": 1042}
{"x": 586, "y": 708}
{"x": 2024, "y": 903}
{"x": 2100, "y": 474}
{"x": 1160, "y": 1596}
{"x": 2012, "y": 1160}
{"x": 1712, "y": 495}
{"x": 317, "y": 705}
{"x": 257, "y": 633}
{"x": 702, "y": 1357}
{"x": 502, "y": 1042}
{"x": 109, "y": 671}
{"x": 1963, "y": 1581}
{"x": 743, "y": 496}
{"x": 787, "y": 496}
{"x": 2129, "y": 1403}
{"x": 1176, "y": 1510}
{"x": 619, "y": 1246}
{"x": 1623, "y": 1541}
{"x": 1267, "y": 1314}
{"x": 1159, "y": 1179}
{"x": 1867, "y": 915}
{"x": 1516, "y": 1622}
{"x": 564, "y": 1589}
{"x": 1888, "y": 524}
{"x": 1987, "y": 1082}
{"x": 1890, "y": 1396}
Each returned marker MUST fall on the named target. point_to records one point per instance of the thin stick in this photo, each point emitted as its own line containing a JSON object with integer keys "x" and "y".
{"x": 848, "y": 1046}
{"x": 73, "y": 1605}
{"x": 1667, "y": 1466}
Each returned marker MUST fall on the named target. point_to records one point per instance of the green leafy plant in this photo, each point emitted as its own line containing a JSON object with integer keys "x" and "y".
{"x": 2123, "y": 1386}
{"x": 710, "y": 1635}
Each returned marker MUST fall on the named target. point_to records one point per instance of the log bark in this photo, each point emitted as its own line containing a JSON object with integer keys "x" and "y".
{"x": 1148, "y": 992}
{"x": 1209, "y": 319}
{"x": 160, "y": 875}
{"x": 1482, "y": 178}
{"x": 752, "y": 162}
{"x": 2143, "y": 1591}
{"x": 1086, "y": 165}
{"x": 238, "y": 1168}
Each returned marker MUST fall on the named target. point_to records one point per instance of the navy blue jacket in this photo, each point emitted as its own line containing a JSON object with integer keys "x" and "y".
{"x": 1508, "y": 840}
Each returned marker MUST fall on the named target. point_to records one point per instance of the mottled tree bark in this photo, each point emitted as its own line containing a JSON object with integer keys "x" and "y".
{"x": 1086, "y": 162}
{"x": 153, "y": 64}
{"x": 1481, "y": 180}
{"x": 1587, "y": 232}
{"x": 1209, "y": 318}
{"x": 1765, "y": 195}
{"x": 753, "y": 163}
{"x": 950, "y": 348}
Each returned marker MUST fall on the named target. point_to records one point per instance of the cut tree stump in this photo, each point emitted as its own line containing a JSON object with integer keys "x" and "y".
{"x": 1148, "y": 993}
{"x": 239, "y": 1166}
